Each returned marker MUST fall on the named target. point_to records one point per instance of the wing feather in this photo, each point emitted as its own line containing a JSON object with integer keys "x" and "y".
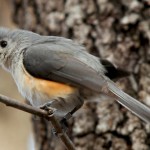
{"x": 45, "y": 62}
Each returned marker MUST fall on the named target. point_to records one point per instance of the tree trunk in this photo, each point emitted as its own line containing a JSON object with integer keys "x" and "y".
{"x": 116, "y": 30}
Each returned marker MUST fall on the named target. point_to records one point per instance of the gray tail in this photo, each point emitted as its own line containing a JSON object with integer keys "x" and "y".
{"x": 139, "y": 109}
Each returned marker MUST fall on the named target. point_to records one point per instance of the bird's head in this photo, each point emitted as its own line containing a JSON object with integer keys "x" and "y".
{"x": 7, "y": 45}
{"x": 12, "y": 43}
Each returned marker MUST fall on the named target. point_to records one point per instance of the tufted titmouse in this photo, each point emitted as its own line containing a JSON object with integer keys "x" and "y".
{"x": 57, "y": 72}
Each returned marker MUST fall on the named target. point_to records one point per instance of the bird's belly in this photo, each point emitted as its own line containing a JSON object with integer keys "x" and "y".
{"x": 40, "y": 91}
{"x": 64, "y": 98}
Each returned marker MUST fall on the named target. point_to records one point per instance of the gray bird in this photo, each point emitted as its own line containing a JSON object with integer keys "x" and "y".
{"x": 57, "y": 72}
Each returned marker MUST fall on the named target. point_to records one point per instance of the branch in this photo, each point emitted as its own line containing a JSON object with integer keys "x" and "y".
{"x": 49, "y": 115}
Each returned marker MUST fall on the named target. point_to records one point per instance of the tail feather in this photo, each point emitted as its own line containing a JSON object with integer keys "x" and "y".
{"x": 139, "y": 109}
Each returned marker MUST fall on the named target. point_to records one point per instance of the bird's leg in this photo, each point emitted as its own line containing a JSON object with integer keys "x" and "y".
{"x": 69, "y": 115}
{"x": 63, "y": 121}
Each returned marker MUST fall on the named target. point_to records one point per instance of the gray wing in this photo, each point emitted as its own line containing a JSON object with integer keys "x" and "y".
{"x": 62, "y": 65}
{"x": 52, "y": 63}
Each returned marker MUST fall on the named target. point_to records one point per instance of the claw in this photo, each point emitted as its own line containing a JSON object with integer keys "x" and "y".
{"x": 45, "y": 106}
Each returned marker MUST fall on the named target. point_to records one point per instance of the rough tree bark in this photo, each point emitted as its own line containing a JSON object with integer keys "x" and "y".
{"x": 116, "y": 30}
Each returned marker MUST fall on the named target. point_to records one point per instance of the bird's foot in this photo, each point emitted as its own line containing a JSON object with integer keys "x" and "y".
{"x": 46, "y": 106}
{"x": 63, "y": 121}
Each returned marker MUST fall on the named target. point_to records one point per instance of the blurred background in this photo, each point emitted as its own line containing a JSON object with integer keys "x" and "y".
{"x": 117, "y": 30}
{"x": 14, "y": 125}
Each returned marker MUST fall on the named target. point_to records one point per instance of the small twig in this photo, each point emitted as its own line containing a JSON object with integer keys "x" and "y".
{"x": 61, "y": 134}
{"x": 41, "y": 113}
{"x": 24, "y": 107}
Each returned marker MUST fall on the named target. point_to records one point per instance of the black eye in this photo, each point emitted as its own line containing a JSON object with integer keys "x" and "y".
{"x": 3, "y": 44}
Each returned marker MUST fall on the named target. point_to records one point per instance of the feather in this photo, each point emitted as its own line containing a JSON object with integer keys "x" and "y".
{"x": 135, "y": 106}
